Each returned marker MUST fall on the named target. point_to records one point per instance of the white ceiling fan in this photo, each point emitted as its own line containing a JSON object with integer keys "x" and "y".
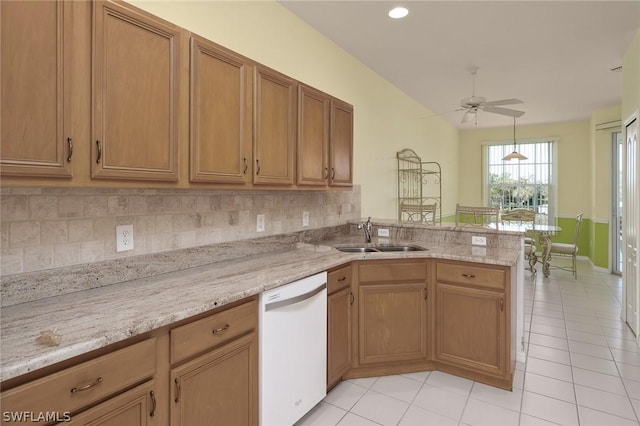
{"x": 472, "y": 105}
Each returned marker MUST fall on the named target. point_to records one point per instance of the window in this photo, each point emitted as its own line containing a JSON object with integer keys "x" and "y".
{"x": 522, "y": 184}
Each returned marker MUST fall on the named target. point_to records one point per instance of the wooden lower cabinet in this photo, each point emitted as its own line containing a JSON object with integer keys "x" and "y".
{"x": 392, "y": 311}
{"x": 470, "y": 328}
{"x": 339, "y": 303}
{"x": 136, "y": 407}
{"x": 219, "y": 388}
{"x": 473, "y": 321}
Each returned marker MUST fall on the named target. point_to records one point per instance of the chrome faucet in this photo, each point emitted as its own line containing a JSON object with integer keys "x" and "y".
{"x": 366, "y": 226}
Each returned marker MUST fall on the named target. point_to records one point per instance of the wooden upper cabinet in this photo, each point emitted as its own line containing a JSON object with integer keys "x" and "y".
{"x": 220, "y": 114}
{"x": 274, "y": 122}
{"x": 35, "y": 108}
{"x": 313, "y": 136}
{"x": 341, "y": 144}
{"x": 135, "y": 94}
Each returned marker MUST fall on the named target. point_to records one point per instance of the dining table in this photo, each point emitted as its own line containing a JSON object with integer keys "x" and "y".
{"x": 543, "y": 233}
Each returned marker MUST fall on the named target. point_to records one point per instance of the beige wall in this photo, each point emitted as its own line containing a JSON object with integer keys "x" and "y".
{"x": 609, "y": 121}
{"x": 573, "y": 159}
{"x": 386, "y": 120}
{"x": 631, "y": 79}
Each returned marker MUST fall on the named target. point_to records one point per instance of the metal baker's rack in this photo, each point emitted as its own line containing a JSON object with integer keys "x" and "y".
{"x": 419, "y": 189}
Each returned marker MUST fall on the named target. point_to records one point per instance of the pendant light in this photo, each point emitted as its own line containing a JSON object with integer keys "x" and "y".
{"x": 515, "y": 155}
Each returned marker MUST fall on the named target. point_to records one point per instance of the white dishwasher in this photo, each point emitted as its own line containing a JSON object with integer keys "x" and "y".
{"x": 293, "y": 350}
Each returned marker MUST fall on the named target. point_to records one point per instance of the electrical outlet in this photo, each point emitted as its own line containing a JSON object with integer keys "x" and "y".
{"x": 383, "y": 232}
{"x": 124, "y": 238}
{"x": 478, "y": 241}
{"x": 260, "y": 223}
{"x": 305, "y": 218}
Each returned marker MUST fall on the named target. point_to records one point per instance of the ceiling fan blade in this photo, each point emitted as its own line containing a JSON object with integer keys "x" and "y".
{"x": 503, "y": 111}
{"x": 503, "y": 102}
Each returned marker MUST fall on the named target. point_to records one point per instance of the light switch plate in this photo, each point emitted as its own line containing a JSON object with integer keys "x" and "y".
{"x": 478, "y": 241}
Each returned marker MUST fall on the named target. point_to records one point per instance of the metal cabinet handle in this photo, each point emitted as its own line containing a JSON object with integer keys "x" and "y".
{"x": 501, "y": 304}
{"x": 218, "y": 330}
{"x": 426, "y": 293}
{"x": 258, "y": 167}
{"x": 99, "y": 152}
{"x": 468, "y": 275}
{"x": 177, "y": 382}
{"x": 333, "y": 173}
{"x": 326, "y": 176}
{"x": 70, "y": 146}
{"x": 341, "y": 279}
{"x": 87, "y": 387}
{"x": 352, "y": 297}
{"x": 246, "y": 165}
{"x": 153, "y": 404}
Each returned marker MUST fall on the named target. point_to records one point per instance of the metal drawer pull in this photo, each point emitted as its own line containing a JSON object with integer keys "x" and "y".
{"x": 153, "y": 404}
{"x": 70, "y": 145}
{"x": 87, "y": 387}
{"x": 218, "y": 330}
{"x": 468, "y": 275}
{"x": 177, "y": 390}
{"x": 341, "y": 279}
{"x": 99, "y": 152}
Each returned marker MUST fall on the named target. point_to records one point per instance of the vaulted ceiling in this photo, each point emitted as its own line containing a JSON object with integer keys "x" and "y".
{"x": 555, "y": 56}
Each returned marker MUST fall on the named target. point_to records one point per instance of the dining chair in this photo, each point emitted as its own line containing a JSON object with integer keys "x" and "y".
{"x": 568, "y": 249}
{"x": 525, "y": 217}
{"x": 477, "y": 216}
{"x": 424, "y": 213}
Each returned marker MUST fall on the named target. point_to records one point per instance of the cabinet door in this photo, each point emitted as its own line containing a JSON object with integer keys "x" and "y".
{"x": 274, "y": 127}
{"x": 392, "y": 322}
{"x": 313, "y": 136}
{"x": 219, "y": 388}
{"x": 341, "y": 144}
{"x": 220, "y": 114}
{"x": 136, "y": 407}
{"x": 338, "y": 335}
{"x": 35, "y": 106}
{"x": 135, "y": 94}
{"x": 470, "y": 328}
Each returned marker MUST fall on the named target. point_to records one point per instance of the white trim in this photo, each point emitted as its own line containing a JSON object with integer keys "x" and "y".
{"x": 609, "y": 125}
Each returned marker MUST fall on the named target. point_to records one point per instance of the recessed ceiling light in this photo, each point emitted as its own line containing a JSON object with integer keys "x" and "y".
{"x": 398, "y": 12}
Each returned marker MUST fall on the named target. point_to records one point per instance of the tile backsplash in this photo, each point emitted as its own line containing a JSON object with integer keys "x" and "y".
{"x": 43, "y": 227}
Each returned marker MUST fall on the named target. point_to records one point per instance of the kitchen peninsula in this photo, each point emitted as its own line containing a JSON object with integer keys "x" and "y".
{"x": 160, "y": 292}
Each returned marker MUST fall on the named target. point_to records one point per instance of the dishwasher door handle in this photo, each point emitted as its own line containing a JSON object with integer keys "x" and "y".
{"x": 293, "y": 300}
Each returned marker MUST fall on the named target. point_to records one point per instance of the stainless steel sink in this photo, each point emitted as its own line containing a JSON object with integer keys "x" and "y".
{"x": 354, "y": 249}
{"x": 400, "y": 248}
{"x": 380, "y": 248}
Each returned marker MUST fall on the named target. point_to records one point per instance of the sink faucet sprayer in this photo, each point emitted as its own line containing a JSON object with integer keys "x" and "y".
{"x": 366, "y": 226}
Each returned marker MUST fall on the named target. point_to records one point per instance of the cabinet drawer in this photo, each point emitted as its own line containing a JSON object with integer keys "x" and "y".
{"x": 463, "y": 273}
{"x": 200, "y": 335}
{"x": 81, "y": 385}
{"x": 392, "y": 271}
{"x": 338, "y": 279}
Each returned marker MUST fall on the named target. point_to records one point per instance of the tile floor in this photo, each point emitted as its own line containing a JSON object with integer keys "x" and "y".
{"x": 583, "y": 368}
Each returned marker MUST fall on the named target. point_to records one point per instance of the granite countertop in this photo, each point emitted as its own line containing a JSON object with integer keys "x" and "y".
{"x": 94, "y": 318}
